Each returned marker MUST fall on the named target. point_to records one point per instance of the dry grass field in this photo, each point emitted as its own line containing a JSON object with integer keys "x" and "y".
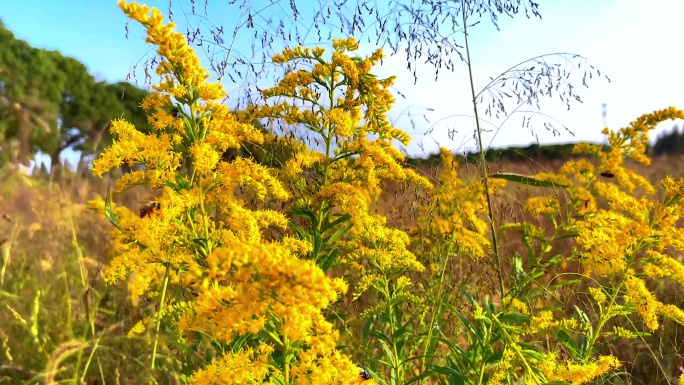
{"x": 58, "y": 317}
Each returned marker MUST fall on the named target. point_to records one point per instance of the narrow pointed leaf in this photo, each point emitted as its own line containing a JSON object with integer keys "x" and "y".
{"x": 526, "y": 180}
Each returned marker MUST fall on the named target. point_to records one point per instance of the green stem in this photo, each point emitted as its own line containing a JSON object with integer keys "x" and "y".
{"x": 79, "y": 253}
{"x": 286, "y": 353}
{"x": 608, "y": 313}
{"x": 434, "y": 314}
{"x": 483, "y": 164}
{"x": 509, "y": 341}
{"x": 159, "y": 314}
{"x": 328, "y": 142}
{"x": 90, "y": 358}
{"x": 7, "y": 253}
{"x": 398, "y": 376}
{"x": 480, "y": 378}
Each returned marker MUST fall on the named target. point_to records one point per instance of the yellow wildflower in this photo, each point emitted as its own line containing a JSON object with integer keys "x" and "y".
{"x": 545, "y": 205}
{"x": 643, "y": 300}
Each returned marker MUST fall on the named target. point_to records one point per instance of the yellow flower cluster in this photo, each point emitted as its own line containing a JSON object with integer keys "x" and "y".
{"x": 248, "y": 366}
{"x": 383, "y": 247}
{"x": 270, "y": 288}
{"x": 576, "y": 374}
{"x": 630, "y": 142}
{"x": 545, "y": 321}
{"x": 503, "y": 367}
{"x": 457, "y": 215}
{"x": 244, "y": 283}
{"x": 632, "y": 229}
{"x": 344, "y": 104}
{"x": 266, "y": 280}
{"x": 348, "y": 119}
{"x": 544, "y": 205}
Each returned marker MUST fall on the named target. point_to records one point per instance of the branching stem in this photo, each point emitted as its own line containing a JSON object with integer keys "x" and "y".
{"x": 483, "y": 164}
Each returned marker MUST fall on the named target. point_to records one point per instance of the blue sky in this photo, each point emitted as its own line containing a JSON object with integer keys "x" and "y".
{"x": 636, "y": 43}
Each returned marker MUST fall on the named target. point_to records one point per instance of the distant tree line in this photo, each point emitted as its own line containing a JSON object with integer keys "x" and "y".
{"x": 534, "y": 152}
{"x": 50, "y": 103}
{"x": 668, "y": 143}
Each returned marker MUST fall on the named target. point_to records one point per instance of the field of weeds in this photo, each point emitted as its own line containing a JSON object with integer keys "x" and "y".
{"x": 291, "y": 242}
{"x": 61, "y": 321}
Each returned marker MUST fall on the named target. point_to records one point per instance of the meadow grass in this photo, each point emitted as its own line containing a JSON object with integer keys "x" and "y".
{"x": 340, "y": 266}
{"x": 39, "y": 256}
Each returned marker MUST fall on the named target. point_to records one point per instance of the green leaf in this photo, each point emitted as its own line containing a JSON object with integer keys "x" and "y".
{"x": 470, "y": 327}
{"x": 467, "y": 295}
{"x": 532, "y": 354}
{"x": 403, "y": 330}
{"x": 238, "y": 343}
{"x": 515, "y": 318}
{"x": 304, "y": 213}
{"x": 457, "y": 351}
{"x": 327, "y": 261}
{"x": 317, "y": 243}
{"x": 572, "y": 234}
{"x": 566, "y": 340}
{"x": 375, "y": 376}
{"x": 203, "y": 245}
{"x": 518, "y": 272}
{"x": 108, "y": 212}
{"x": 303, "y": 234}
{"x": 425, "y": 374}
{"x": 447, "y": 371}
{"x": 388, "y": 354}
{"x": 564, "y": 283}
{"x": 338, "y": 234}
{"x": 367, "y": 328}
{"x": 583, "y": 347}
{"x": 339, "y": 220}
{"x": 526, "y": 180}
{"x": 586, "y": 323}
{"x": 381, "y": 336}
{"x": 182, "y": 183}
{"x": 496, "y": 357}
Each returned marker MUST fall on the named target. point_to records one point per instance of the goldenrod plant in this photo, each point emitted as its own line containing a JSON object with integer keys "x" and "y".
{"x": 259, "y": 300}
{"x": 253, "y": 281}
{"x": 279, "y": 268}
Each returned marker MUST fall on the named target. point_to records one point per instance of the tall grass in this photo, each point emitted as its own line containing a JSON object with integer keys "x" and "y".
{"x": 340, "y": 266}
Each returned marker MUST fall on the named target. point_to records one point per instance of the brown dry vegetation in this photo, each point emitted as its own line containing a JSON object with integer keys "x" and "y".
{"x": 58, "y": 317}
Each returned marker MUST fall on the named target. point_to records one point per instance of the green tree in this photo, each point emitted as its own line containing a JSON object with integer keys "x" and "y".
{"x": 87, "y": 109}
{"x": 30, "y": 84}
{"x": 670, "y": 142}
{"x": 50, "y": 103}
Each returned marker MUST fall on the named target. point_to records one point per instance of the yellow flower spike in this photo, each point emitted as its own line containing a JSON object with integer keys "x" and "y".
{"x": 302, "y": 160}
{"x": 205, "y": 157}
{"x": 245, "y": 172}
{"x": 243, "y": 280}
{"x": 545, "y": 205}
{"x": 137, "y": 329}
{"x": 643, "y": 300}
{"x": 458, "y": 218}
{"x": 576, "y": 374}
{"x": 598, "y": 295}
{"x": 343, "y": 123}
